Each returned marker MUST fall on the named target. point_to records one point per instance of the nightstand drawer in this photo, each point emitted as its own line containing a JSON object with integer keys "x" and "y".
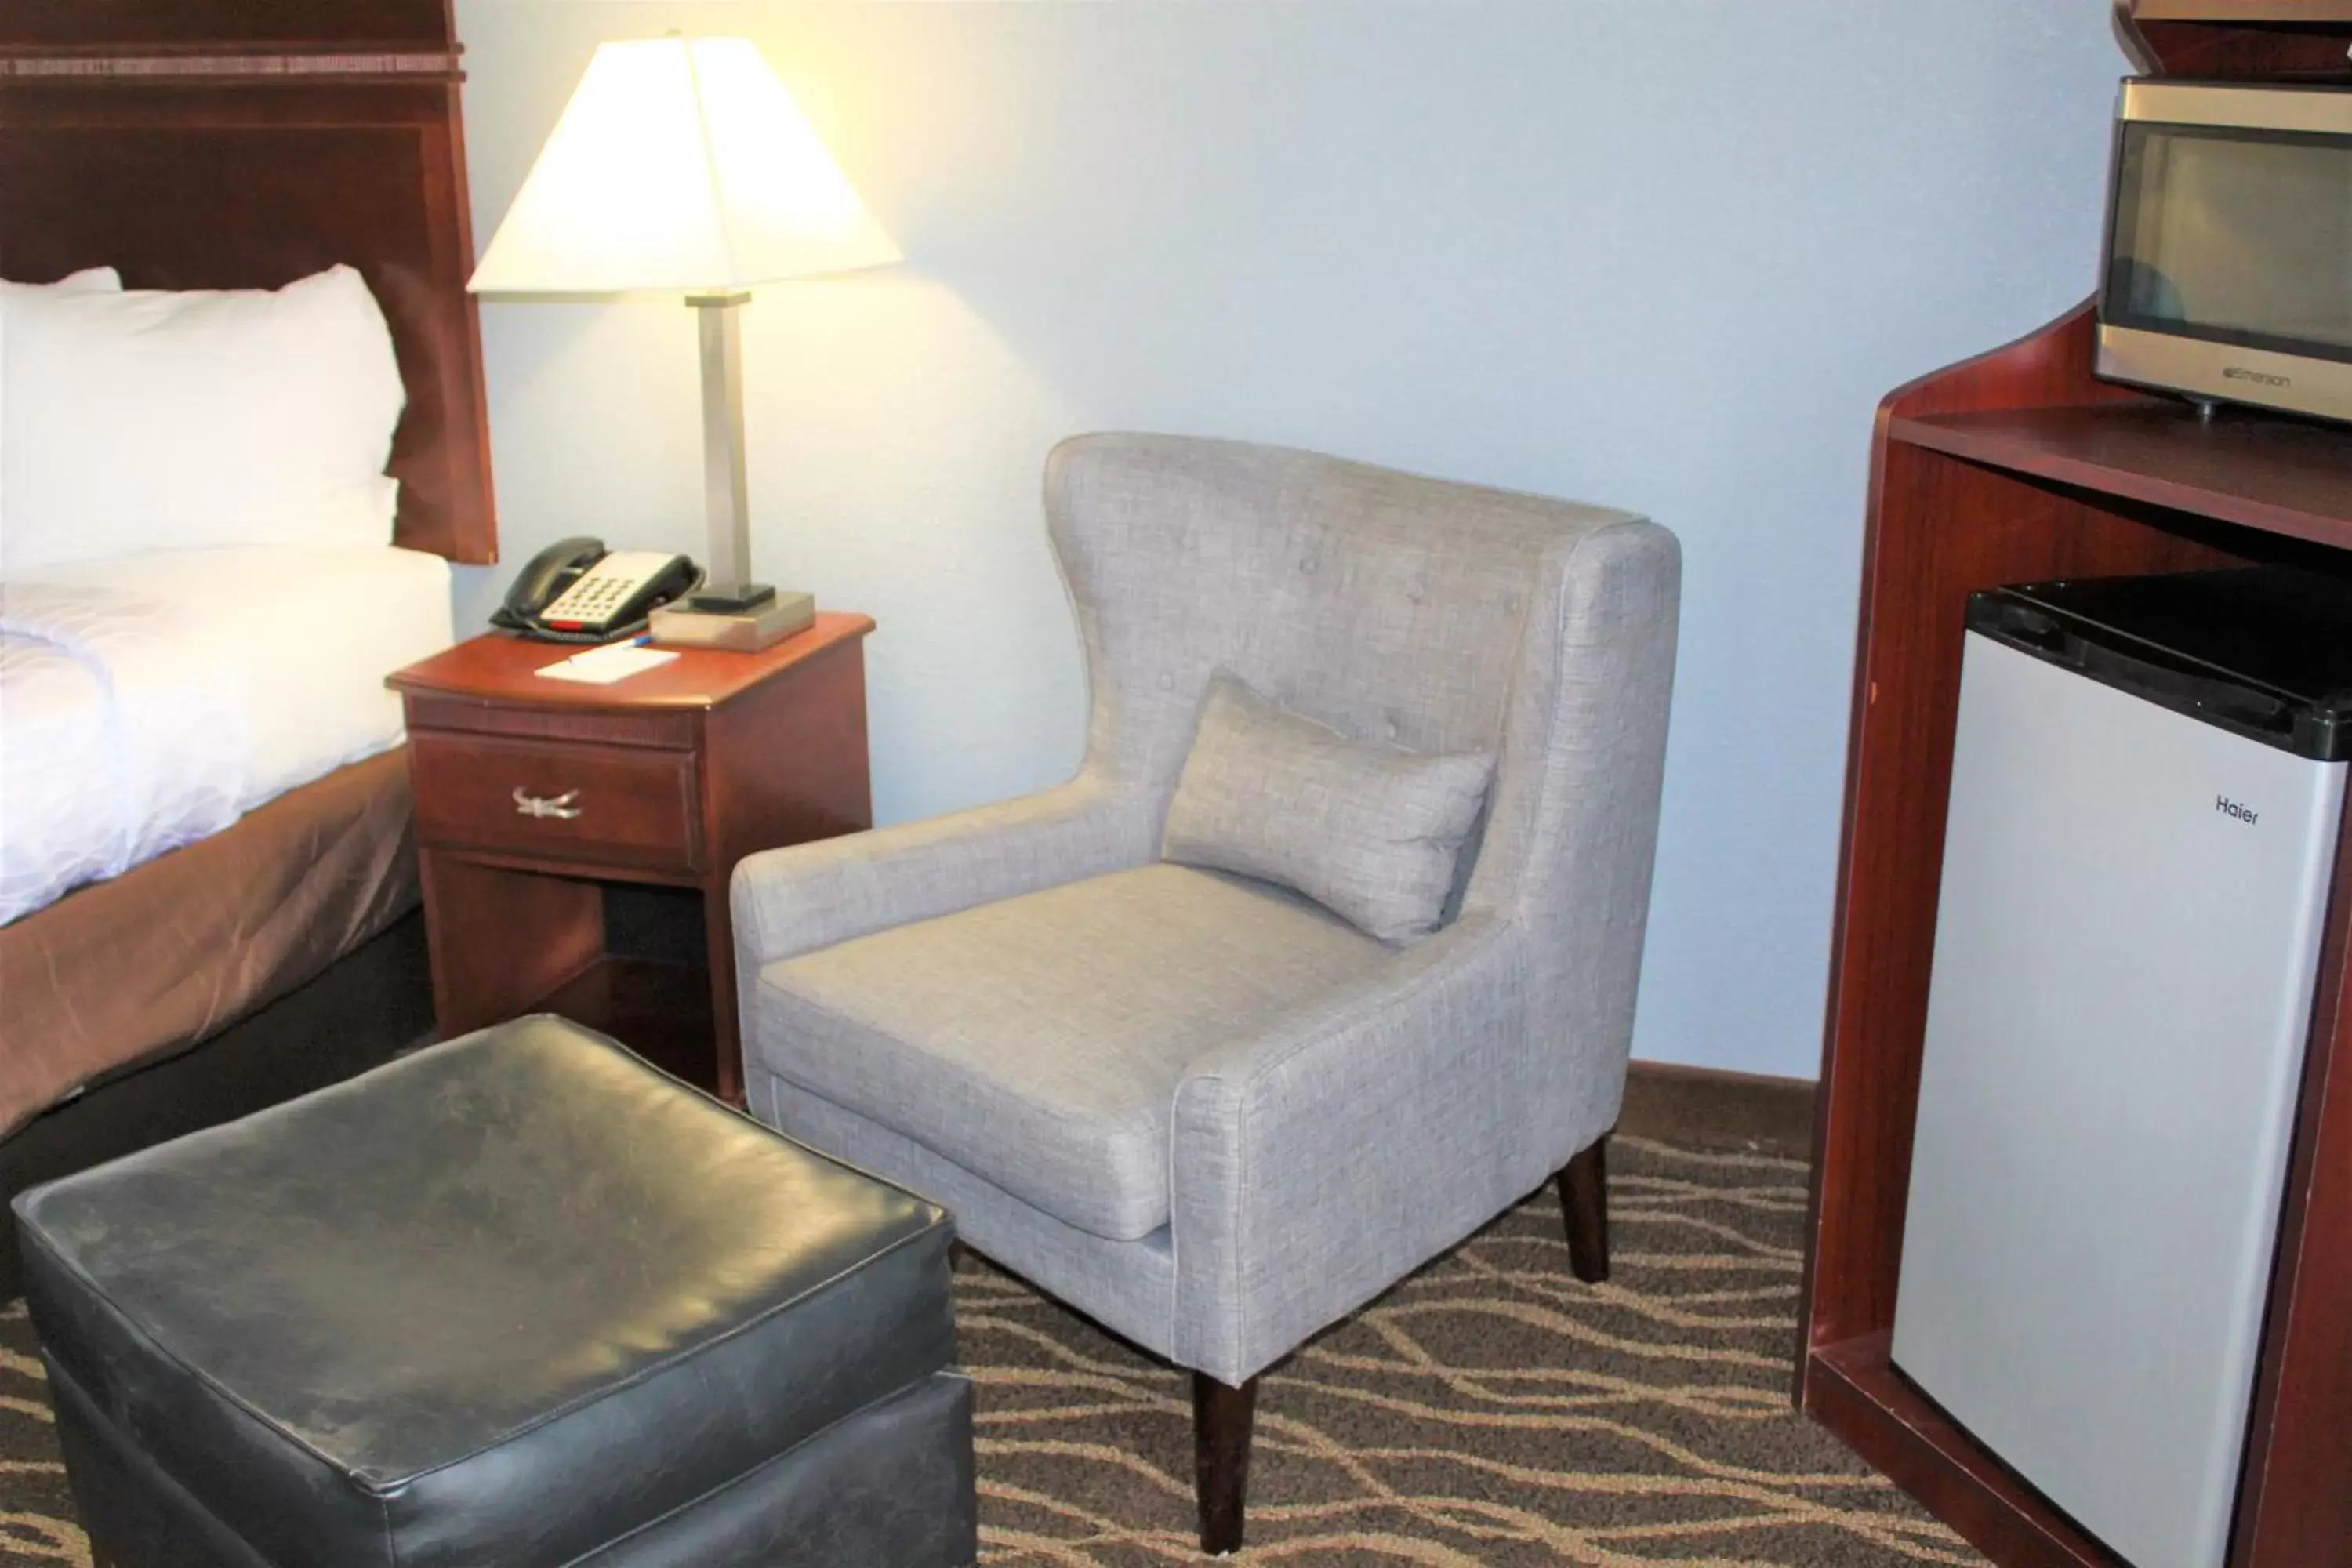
{"x": 556, "y": 800}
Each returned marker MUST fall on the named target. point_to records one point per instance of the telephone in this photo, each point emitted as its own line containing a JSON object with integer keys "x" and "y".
{"x": 575, "y": 591}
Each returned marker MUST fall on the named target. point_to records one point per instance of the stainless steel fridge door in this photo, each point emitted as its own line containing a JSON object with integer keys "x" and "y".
{"x": 2125, "y": 943}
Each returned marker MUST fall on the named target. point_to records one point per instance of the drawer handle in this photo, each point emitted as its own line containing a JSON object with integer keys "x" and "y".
{"x": 559, "y": 806}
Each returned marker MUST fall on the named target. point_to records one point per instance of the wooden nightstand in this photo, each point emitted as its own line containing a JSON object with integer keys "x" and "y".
{"x": 577, "y": 841}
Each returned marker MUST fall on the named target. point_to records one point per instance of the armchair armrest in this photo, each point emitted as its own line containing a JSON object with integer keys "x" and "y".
{"x": 1315, "y": 1164}
{"x": 797, "y": 899}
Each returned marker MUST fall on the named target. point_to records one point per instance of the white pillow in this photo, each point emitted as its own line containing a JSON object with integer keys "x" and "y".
{"x": 88, "y": 281}
{"x": 155, "y": 420}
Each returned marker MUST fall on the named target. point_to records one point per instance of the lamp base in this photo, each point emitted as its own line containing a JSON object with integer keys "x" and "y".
{"x": 712, "y": 599}
{"x": 745, "y": 632}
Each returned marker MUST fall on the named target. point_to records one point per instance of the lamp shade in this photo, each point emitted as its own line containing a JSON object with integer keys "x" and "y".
{"x": 680, "y": 164}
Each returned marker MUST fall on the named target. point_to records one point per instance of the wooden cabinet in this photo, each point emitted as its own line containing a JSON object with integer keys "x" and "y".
{"x": 576, "y": 841}
{"x": 2010, "y": 467}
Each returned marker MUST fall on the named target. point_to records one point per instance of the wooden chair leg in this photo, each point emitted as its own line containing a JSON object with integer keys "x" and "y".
{"x": 1222, "y": 1418}
{"x": 1584, "y": 1204}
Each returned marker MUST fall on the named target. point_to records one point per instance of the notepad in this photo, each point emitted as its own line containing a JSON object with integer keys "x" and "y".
{"x": 603, "y": 665}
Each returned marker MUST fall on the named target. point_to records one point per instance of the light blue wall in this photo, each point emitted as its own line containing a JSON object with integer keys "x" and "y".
{"x": 1663, "y": 254}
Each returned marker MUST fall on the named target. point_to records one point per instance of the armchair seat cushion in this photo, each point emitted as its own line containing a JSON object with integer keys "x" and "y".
{"x": 1038, "y": 1041}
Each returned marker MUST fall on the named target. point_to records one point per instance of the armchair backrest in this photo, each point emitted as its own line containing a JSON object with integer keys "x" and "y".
{"x": 1433, "y": 616}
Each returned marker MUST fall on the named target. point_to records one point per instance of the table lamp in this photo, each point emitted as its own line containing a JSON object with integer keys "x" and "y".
{"x": 683, "y": 166}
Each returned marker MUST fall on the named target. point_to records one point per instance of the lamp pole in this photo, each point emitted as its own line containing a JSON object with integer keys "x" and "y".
{"x": 726, "y": 494}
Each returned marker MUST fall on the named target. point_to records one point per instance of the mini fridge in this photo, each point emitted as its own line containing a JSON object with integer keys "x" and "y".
{"x": 2146, "y": 782}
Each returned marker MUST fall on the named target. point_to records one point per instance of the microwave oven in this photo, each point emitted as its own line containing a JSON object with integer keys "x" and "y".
{"x": 2229, "y": 249}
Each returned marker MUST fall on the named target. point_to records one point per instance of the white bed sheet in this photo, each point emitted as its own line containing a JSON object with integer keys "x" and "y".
{"x": 147, "y": 700}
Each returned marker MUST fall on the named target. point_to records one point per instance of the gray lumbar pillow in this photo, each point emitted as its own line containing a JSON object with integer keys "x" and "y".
{"x": 1371, "y": 833}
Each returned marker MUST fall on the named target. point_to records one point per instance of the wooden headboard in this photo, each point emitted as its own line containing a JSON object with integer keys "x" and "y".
{"x": 244, "y": 144}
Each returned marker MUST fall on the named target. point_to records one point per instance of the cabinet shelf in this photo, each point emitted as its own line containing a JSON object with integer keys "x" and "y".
{"x": 2257, "y": 470}
{"x": 2244, "y": 13}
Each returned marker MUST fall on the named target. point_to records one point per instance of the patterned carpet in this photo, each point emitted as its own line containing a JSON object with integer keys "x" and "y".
{"x": 1489, "y": 1412}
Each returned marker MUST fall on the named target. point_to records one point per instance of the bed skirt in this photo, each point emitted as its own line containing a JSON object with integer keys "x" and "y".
{"x": 122, "y": 974}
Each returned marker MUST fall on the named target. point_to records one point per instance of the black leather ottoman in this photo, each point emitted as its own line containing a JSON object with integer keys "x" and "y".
{"x": 516, "y": 1301}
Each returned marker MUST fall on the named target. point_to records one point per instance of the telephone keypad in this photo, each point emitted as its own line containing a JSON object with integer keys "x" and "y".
{"x": 598, "y": 598}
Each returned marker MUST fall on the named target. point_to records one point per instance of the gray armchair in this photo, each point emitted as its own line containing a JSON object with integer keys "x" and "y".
{"x": 1195, "y": 1107}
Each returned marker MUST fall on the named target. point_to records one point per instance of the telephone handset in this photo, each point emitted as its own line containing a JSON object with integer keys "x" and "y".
{"x": 575, "y": 591}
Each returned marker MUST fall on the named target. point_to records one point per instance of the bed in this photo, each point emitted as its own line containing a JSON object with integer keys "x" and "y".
{"x": 204, "y": 145}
